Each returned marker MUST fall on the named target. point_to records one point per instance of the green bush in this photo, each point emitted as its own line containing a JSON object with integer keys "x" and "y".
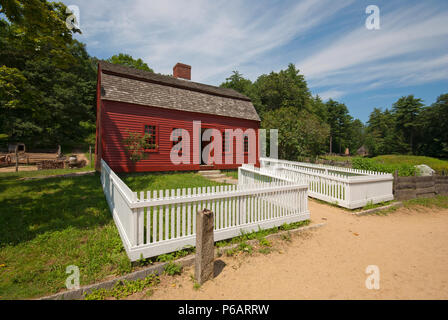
{"x": 404, "y": 169}
{"x": 264, "y": 242}
{"x": 245, "y": 247}
{"x": 172, "y": 268}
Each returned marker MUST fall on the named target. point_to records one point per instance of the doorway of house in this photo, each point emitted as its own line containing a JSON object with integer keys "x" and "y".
{"x": 203, "y": 144}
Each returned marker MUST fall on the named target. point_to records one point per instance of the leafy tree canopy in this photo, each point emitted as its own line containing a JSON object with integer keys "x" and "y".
{"x": 238, "y": 83}
{"x": 281, "y": 98}
{"x": 339, "y": 120}
{"x": 300, "y": 134}
{"x": 286, "y": 88}
{"x": 129, "y": 61}
{"x": 47, "y": 81}
{"x": 407, "y": 110}
{"x": 410, "y": 128}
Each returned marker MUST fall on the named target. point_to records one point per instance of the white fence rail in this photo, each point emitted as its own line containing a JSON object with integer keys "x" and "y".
{"x": 349, "y": 188}
{"x": 156, "y": 222}
{"x": 321, "y": 168}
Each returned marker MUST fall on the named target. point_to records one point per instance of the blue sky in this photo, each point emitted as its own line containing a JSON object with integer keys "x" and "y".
{"x": 327, "y": 40}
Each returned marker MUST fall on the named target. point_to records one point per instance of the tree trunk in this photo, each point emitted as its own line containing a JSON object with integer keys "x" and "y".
{"x": 331, "y": 144}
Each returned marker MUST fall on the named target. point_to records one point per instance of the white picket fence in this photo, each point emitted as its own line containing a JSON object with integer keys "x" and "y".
{"x": 346, "y": 187}
{"x": 156, "y": 222}
{"x": 320, "y": 168}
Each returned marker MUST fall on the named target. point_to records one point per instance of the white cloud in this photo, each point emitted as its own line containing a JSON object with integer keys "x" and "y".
{"x": 215, "y": 37}
{"x": 402, "y": 72}
{"x": 409, "y": 49}
{"x": 334, "y": 94}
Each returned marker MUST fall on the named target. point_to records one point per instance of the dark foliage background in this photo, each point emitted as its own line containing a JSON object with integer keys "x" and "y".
{"x": 48, "y": 85}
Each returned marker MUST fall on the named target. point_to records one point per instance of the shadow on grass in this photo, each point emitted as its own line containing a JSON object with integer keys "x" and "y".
{"x": 33, "y": 207}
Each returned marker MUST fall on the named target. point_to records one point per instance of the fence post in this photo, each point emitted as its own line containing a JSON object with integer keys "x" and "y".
{"x": 134, "y": 222}
{"x": 90, "y": 154}
{"x": 434, "y": 183}
{"x": 204, "y": 263}
{"x": 240, "y": 177}
{"x": 394, "y": 184}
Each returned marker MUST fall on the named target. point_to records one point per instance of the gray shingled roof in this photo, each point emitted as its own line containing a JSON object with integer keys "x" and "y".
{"x": 124, "y": 84}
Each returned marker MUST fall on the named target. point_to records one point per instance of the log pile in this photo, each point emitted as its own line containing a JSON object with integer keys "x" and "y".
{"x": 51, "y": 164}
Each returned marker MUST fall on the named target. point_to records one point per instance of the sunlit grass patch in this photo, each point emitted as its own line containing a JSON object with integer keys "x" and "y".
{"x": 49, "y": 224}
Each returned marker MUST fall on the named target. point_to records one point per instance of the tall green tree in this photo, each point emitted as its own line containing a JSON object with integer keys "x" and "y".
{"x": 47, "y": 81}
{"x": 238, "y": 83}
{"x": 339, "y": 120}
{"x": 242, "y": 85}
{"x": 300, "y": 134}
{"x": 129, "y": 61}
{"x": 434, "y": 124}
{"x": 407, "y": 111}
{"x": 381, "y": 135}
{"x": 356, "y": 135}
{"x": 286, "y": 88}
{"x": 319, "y": 108}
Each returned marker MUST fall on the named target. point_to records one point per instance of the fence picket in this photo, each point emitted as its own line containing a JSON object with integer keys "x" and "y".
{"x": 177, "y": 214}
{"x": 141, "y": 220}
{"x": 195, "y": 210}
{"x": 189, "y": 213}
{"x": 350, "y": 188}
{"x": 167, "y": 215}
{"x": 184, "y": 213}
{"x": 161, "y": 217}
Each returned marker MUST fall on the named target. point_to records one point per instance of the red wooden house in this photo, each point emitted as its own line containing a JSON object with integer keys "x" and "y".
{"x": 139, "y": 101}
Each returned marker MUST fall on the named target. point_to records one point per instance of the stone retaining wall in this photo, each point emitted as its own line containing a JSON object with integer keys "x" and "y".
{"x": 406, "y": 188}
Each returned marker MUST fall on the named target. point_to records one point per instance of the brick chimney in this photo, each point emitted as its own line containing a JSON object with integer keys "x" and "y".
{"x": 181, "y": 70}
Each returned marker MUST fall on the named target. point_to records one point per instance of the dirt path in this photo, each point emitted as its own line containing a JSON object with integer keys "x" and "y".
{"x": 409, "y": 247}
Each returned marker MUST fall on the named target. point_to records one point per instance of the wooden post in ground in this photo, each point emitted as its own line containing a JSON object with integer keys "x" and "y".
{"x": 205, "y": 250}
{"x": 17, "y": 158}
{"x": 90, "y": 153}
{"x": 434, "y": 183}
{"x": 394, "y": 184}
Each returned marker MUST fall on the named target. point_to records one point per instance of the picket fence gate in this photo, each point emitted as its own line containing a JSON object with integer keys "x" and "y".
{"x": 155, "y": 222}
{"x": 346, "y": 187}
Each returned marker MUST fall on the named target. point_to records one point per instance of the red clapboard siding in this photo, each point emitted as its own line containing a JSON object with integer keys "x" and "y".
{"x": 117, "y": 118}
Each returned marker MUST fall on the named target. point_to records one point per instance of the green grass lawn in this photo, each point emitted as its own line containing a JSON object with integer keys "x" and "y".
{"x": 437, "y": 164}
{"x": 437, "y": 202}
{"x": 49, "y": 224}
{"x": 159, "y": 181}
{"x": 391, "y": 162}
